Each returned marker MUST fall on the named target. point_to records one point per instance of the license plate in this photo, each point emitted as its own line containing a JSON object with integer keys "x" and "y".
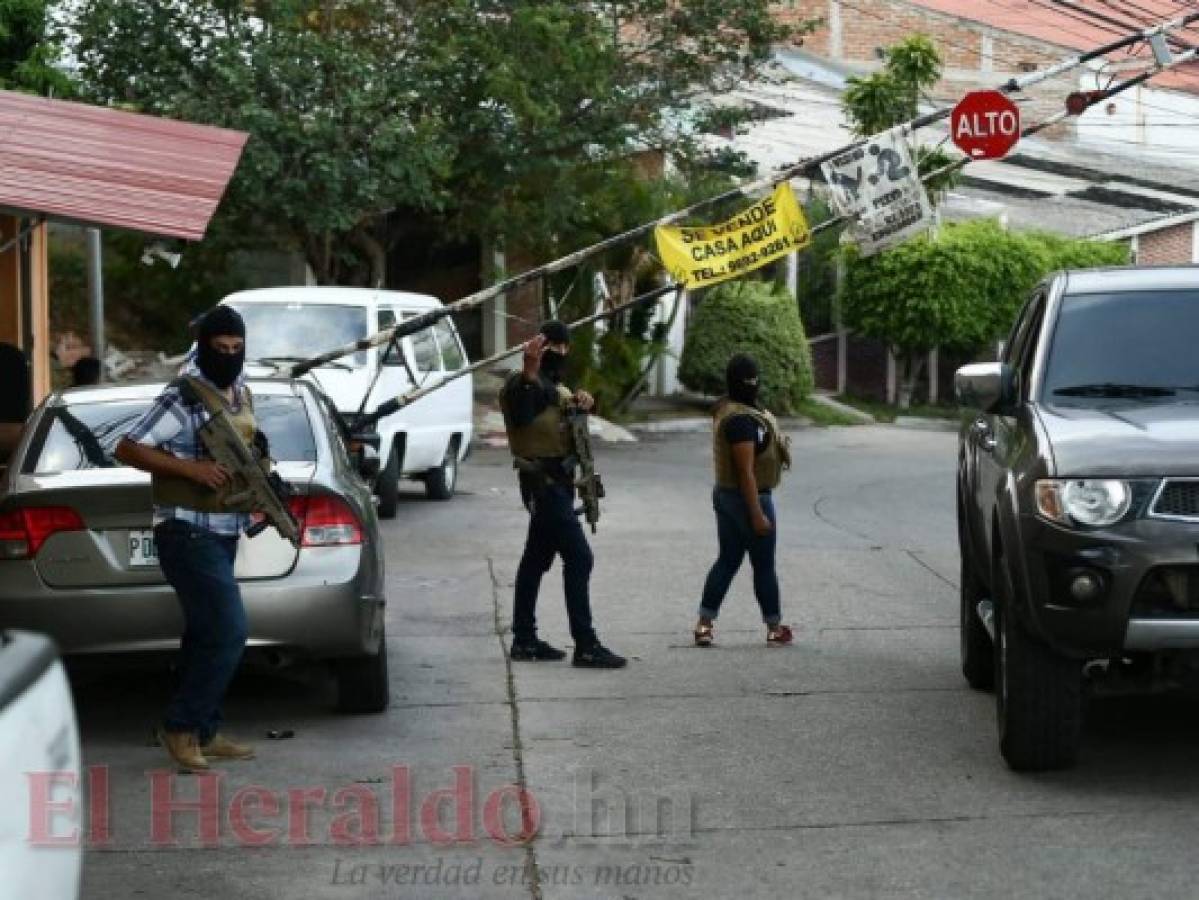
{"x": 142, "y": 551}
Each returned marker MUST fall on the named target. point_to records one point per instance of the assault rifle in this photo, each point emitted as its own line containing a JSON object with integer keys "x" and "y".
{"x": 588, "y": 482}
{"x": 253, "y": 484}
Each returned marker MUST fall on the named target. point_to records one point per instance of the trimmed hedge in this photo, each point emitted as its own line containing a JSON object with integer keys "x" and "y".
{"x": 961, "y": 289}
{"x": 753, "y": 317}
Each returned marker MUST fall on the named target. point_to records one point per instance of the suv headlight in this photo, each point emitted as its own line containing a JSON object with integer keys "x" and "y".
{"x": 1088, "y": 501}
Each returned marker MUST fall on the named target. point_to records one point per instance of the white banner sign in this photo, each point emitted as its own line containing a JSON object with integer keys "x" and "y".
{"x": 879, "y": 185}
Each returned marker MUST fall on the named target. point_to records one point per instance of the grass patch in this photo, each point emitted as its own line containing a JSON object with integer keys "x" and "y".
{"x": 822, "y": 415}
{"x": 884, "y": 412}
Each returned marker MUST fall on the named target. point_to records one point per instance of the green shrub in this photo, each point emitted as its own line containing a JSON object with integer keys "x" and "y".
{"x": 958, "y": 290}
{"x": 962, "y": 288}
{"x": 749, "y": 317}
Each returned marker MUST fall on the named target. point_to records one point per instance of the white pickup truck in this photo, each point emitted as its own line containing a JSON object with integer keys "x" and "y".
{"x": 38, "y": 737}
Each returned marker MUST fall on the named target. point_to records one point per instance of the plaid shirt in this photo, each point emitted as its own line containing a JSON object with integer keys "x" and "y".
{"x": 173, "y": 426}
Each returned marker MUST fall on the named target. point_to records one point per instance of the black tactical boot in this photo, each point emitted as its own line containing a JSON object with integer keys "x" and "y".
{"x": 535, "y": 651}
{"x": 597, "y": 656}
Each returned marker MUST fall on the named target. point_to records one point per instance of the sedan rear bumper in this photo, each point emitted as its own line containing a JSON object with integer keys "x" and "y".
{"x": 324, "y": 608}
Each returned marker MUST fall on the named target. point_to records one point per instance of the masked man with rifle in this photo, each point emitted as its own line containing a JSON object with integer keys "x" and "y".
{"x": 537, "y": 410}
{"x": 196, "y": 527}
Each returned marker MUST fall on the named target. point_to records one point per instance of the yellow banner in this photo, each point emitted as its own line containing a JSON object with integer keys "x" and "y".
{"x": 768, "y": 230}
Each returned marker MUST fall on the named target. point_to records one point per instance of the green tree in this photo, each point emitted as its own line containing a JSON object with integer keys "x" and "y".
{"x": 957, "y": 291}
{"x": 754, "y": 317}
{"x": 874, "y": 103}
{"x": 496, "y": 118}
{"x": 333, "y": 96}
{"x": 29, "y": 55}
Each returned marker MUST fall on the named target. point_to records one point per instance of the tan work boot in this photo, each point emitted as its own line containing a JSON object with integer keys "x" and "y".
{"x": 221, "y": 747}
{"x": 184, "y": 750}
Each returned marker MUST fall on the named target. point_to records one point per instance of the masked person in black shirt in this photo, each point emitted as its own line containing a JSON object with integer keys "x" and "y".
{"x": 533, "y": 401}
{"x": 750, "y": 455}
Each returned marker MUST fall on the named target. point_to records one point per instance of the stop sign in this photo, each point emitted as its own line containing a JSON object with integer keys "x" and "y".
{"x": 985, "y": 125}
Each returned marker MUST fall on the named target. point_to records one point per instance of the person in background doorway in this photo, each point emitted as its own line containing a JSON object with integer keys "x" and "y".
{"x": 85, "y": 371}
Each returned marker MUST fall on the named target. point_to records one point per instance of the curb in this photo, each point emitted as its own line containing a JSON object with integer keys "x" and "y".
{"x": 844, "y": 408}
{"x": 917, "y": 423}
{"x": 673, "y": 426}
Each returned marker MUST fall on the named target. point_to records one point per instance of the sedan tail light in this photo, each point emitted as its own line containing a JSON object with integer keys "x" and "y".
{"x": 326, "y": 521}
{"x": 24, "y": 531}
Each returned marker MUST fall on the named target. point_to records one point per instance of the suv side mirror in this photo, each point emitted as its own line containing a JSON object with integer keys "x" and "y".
{"x": 988, "y": 387}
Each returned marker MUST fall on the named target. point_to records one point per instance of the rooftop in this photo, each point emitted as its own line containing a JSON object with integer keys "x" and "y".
{"x": 1081, "y": 25}
{"x": 95, "y": 165}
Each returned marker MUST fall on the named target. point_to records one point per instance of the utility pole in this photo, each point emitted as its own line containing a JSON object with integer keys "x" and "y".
{"x": 95, "y": 294}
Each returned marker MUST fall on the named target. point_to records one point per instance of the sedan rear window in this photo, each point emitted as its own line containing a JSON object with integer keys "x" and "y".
{"x": 1137, "y": 345}
{"x": 84, "y": 435}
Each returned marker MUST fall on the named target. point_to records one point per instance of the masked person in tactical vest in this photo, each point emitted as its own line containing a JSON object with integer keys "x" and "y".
{"x": 750, "y": 454}
{"x": 196, "y": 533}
{"x": 533, "y": 401}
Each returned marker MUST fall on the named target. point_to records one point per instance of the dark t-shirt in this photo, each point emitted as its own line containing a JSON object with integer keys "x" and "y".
{"x": 743, "y": 428}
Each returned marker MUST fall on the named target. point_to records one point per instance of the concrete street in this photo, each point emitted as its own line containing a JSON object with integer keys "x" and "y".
{"x": 855, "y": 763}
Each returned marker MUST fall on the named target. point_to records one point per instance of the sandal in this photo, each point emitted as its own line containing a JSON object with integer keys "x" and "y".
{"x": 778, "y": 635}
{"x": 703, "y": 635}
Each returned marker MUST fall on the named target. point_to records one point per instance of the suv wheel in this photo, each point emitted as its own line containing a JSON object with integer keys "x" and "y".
{"x": 387, "y": 486}
{"x": 978, "y": 652}
{"x": 362, "y": 685}
{"x": 440, "y": 482}
{"x": 1038, "y": 692}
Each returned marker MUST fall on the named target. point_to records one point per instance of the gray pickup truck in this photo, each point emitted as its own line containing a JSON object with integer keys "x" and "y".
{"x": 1078, "y": 504}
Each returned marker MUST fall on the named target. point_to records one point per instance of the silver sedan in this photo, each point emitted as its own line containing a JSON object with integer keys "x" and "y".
{"x": 77, "y": 555}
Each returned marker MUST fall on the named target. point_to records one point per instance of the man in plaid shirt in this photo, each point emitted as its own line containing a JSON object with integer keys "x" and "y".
{"x": 197, "y": 539}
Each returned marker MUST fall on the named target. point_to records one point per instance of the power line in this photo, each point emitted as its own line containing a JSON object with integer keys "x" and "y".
{"x": 1061, "y": 14}
{"x": 1098, "y": 16}
{"x": 1081, "y": 36}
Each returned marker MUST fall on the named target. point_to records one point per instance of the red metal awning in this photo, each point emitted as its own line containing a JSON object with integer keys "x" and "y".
{"x": 98, "y": 166}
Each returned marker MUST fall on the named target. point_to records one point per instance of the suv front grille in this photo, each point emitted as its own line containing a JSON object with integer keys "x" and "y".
{"x": 1177, "y": 499}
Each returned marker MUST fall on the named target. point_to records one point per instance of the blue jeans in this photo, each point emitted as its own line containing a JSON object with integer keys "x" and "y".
{"x": 198, "y": 564}
{"x": 554, "y": 530}
{"x": 735, "y": 533}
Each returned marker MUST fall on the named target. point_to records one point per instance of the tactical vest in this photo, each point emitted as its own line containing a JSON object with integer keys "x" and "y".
{"x": 546, "y": 436}
{"x": 170, "y": 490}
{"x": 768, "y": 465}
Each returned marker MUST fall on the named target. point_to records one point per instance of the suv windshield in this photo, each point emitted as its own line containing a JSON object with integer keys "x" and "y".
{"x": 1135, "y": 345}
{"x": 84, "y": 435}
{"x": 296, "y": 331}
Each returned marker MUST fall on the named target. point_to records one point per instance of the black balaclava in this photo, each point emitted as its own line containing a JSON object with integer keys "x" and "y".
{"x": 221, "y": 369}
{"x": 553, "y": 363}
{"x": 741, "y": 379}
